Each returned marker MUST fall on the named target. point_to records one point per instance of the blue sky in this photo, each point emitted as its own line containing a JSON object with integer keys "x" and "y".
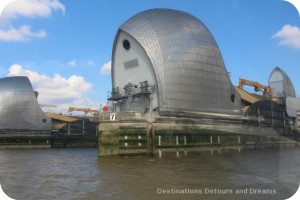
{"x": 65, "y": 46}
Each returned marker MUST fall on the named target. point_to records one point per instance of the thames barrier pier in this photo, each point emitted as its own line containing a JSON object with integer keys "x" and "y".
{"x": 171, "y": 92}
{"x": 22, "y": 122}
{"x": 130, "y": 133}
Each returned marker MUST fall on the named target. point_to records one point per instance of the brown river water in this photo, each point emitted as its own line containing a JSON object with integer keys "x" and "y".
{"x": 79, "y": 174}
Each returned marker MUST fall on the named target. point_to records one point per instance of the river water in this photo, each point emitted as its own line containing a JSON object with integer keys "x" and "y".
{"x": 79, "y": 174}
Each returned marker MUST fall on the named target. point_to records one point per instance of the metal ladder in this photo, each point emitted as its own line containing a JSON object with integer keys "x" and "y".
{"x": 128, "y": 100}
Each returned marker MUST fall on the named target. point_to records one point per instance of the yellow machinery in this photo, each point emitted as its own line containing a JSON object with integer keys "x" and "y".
{"x": 266, "y": 90}
{"x": 248, "y": 98}
{"x": 85, "y": 110}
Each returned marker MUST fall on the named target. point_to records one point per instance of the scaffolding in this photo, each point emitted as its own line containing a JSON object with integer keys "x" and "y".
{"x": 130, "y": 92}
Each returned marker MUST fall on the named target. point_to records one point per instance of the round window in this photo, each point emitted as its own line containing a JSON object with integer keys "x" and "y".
{"x": 126, "y": 44}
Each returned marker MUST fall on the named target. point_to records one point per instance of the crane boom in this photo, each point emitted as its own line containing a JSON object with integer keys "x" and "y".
{"x": 257, "y": 86}
{"x": 85, "y": 110}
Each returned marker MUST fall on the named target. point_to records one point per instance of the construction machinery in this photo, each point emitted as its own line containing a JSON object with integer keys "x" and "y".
{"x": 266, "y": 90}
{"x": 85, "y": 110}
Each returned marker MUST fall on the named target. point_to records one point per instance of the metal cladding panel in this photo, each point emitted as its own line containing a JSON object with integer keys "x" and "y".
{"x": 281, "y": 84}
{"x": 19, "y": 109}
{"x": 188, "y": 65}
{"x": 291, "y": 106}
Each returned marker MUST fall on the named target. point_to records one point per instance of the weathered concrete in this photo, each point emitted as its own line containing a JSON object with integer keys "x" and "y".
{"x": 118, "y": 138}
{"x": 139, "y": 136}
{"x": 17, "y": 139}
{"x": 25, "y": 146}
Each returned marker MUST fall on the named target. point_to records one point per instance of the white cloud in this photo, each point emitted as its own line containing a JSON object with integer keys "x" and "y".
{"x": 106, "y": 68}
{"x": 72, "y": 63}
{"x": 32, "y": 8}
{"x": 26, "y": 8}
{"x": 289, "y": 36}
{"x": 24, "y": 33}
{"x": 3, "y": 4}
{"x": 79, "y": 103}
{"x": 56, "y": 90}
{"x": 91, "y": 63}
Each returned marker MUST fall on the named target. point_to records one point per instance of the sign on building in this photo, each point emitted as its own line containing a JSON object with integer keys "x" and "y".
{"x": 112, "y": 116}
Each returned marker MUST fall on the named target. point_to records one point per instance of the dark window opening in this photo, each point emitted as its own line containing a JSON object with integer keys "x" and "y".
{"x": 126, "y": 44}
{"x": 232, "y": 98}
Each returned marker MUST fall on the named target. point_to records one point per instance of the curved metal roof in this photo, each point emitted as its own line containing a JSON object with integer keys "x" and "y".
{"x": 19, "y": 109}
{"x": 288, "y": 87}
{"x": 189, "y": 68}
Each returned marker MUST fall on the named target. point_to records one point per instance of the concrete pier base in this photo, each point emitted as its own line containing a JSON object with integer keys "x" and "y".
{"x": 135, "y": 137}
{"x": 25, "y": 140}
{"x": 123, "y": 138}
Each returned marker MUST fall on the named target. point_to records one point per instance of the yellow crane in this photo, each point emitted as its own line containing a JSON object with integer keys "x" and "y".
{"x": 85, "y": 110}
{"x": 266, "y": 90}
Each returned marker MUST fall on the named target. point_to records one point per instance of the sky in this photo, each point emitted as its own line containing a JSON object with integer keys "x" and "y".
{"x": 65, "y": 46}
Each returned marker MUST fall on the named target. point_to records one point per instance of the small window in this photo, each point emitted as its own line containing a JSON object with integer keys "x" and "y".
{"x": 126, "y": 44}
{"x": 44, "y": 120}
{"x": 232, "y": 98}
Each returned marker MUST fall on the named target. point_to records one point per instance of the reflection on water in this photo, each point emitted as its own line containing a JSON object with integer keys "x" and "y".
{"x": 79, "y": 174}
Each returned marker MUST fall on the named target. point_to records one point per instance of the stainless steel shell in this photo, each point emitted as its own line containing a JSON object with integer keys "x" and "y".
{"x": 189, "y": 69}
{"x": 281, "y": 84}
{"x": 19, "y": 109}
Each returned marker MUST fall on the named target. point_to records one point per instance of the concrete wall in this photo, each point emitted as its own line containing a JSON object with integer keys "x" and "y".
{"x": 131, "y": 133}
{"x": 23, "y": 140}
{"x": 143, "y": 138}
